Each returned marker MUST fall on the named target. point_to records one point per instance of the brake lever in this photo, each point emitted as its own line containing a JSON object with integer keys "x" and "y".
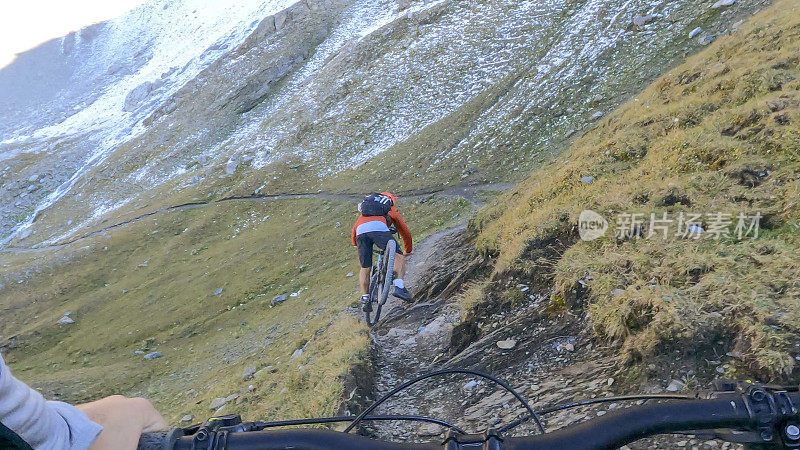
{"x": 765, "y": 403}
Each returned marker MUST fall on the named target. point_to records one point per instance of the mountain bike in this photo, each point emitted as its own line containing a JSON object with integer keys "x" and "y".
{"x": 380, "y": 281}
{"x": 733, "y": 411}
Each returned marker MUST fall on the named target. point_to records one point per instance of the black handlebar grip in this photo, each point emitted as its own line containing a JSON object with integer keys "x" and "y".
{"x": 162, "y": 440}
{"x": 152, "y": 441}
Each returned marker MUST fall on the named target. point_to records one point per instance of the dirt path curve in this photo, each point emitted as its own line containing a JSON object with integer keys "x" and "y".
{"x": 468, "y": 192}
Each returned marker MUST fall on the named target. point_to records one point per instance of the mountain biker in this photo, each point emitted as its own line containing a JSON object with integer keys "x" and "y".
{"x": 28, "y": 421}
{"x": 378, "y": 213}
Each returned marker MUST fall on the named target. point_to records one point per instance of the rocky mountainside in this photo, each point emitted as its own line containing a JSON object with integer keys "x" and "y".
{"x": 158, "y": 105}
{"x": 176, "y": 197}
{"x": 563, "y": 319}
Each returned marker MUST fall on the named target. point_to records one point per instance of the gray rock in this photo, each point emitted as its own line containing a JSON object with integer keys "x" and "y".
{"x": 617, "y": 292}
{"x": 152, "y": 355}
{"x": 506, "y": 344}
{"x": 217, "y": 403}
{"x": 723, "y": 3}
{"x": 297, "y": 353}
{"x": 249, "y": 373}
{"x": 641, "y": 21}
{"x": 33, "y": 178}
{"x": 707, "y": 39}
{"x": 115, "y": 67}
{"x": 695, "y": 32}
{"x": 674, "y": 386}
{"x": 263, "y": 372}
{"x": 403, "y": 4}
{"x": 230, "y": 167}
{"x": 349, "y": 274}
{"x": 186, "y": 419}
{"x": 136, "y": 96}
{"x": 279, "y": 299}
{"x": 596, "y": 116}
{"x": 588, "y": 179}
{"x": 429, "y": 430}
{"x": 218, "y": 291}
{"x": 280, "y": 20}
{"x": 138, "y": 352}
{"x": 66, "y": 320}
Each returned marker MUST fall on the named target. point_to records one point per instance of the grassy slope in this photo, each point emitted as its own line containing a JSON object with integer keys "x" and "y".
{"x": 703, "y": 134}
{"x": 207, "y": 340}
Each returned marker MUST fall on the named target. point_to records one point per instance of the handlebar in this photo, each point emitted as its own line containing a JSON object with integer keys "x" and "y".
{"x": 766, "y": 414}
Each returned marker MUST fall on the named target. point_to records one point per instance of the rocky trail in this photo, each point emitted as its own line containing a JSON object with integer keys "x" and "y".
{"x": 548, "y": 360}
{"x": 471, "y": 193}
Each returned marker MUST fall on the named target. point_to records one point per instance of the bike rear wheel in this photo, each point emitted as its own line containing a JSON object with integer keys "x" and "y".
{"x": 373, "y": 296}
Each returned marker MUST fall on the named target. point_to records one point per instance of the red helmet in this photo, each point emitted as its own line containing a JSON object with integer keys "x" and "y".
{"x": 390, "y": 195}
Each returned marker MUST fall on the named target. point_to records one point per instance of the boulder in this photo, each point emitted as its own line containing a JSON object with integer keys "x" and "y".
{"x": 136, "y": 96}
{"x": 152, "y": 355}
{"x": 641, "y": 21}
{"x": 707, "y": 39}
{"x": 230, "y": 167}
{"x": 66, "y": 320}
{"x": 723, "y": 3}
{"x": 507, "y": 344}
{"x": 217, "y": 403}
{"x": 674, "y": 386}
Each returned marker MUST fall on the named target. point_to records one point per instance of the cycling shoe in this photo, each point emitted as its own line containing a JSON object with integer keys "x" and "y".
{"x": 366, "y": 304}
{"x": 402, "y": 294}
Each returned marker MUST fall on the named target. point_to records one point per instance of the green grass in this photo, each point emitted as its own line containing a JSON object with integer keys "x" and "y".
{"x": 169, "y": 267}
{"x": 690, "y": 142}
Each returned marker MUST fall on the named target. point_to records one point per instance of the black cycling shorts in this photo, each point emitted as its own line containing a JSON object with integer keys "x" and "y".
{"x": 365, "y": 242}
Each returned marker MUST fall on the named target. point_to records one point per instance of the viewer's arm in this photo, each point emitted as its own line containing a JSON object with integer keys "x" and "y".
{"x": 40, "y": 423}
{"x": 114, "y": 422}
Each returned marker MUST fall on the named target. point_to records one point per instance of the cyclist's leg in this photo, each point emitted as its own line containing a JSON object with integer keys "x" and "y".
{"x": 364, "y": 243}
{"x": 400, "y": 264}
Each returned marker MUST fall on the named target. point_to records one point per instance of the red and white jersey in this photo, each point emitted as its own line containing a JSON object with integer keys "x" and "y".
{"x": 367, "y": 224}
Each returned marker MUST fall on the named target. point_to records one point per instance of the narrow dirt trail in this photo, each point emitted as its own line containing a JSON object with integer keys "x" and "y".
{"x": 551, "y": 359}
{"x": 416, "y": 339}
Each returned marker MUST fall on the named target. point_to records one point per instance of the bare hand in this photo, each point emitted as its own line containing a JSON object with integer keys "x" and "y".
{"x": 123, "y": 420}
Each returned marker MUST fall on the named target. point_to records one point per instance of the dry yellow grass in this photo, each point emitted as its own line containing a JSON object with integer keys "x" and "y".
{"x": 720, "y": 133}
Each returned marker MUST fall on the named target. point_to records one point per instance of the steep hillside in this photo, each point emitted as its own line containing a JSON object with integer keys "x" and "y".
{"x": 718, "y": 134}
{"x": 204, "y": 214}
{"x": 432, "y": 95}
